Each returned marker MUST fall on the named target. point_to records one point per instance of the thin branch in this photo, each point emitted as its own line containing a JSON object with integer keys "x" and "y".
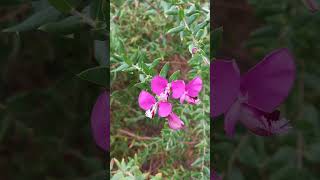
{"x": 130, "y": 134}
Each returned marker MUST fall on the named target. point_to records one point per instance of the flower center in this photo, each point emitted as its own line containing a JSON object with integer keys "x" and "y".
{"x": 150, "y": 113}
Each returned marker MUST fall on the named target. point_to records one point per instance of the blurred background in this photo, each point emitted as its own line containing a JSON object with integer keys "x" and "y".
{"x": 251, "y": 29}
{"x": 44, "y": 107}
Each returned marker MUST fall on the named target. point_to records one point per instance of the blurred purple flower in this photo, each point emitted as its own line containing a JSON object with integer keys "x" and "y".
{"x": 312, "y": 5}
{"x": 100, "y": 121}
{"x": 253, "y": 97}
{"x": 214, "y": 175}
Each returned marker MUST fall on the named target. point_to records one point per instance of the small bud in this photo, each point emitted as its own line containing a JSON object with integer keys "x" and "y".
{"x": 194, "y": 50}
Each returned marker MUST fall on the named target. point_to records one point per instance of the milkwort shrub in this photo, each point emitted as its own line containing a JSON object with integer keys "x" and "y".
{"x": 167, "y": 41}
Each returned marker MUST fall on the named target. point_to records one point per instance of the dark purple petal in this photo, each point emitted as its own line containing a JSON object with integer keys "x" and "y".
{"x": 225, "y": 85}
{"x": 268, "y": 83}
{"x": 100, "y": 121}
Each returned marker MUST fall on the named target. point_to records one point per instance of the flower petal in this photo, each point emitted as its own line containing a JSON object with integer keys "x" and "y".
{"x": 312, "y": 5}
{"x": 224, "y": 85}
{"x": 256, "y": 121}
{"x": 175, "y": 122}
{"x": 231, "y": 118}
{"x": 178, "y": 88}
{"x": 269, "y": 82}
{"x": 158, "y": 85}
{"x": 100, "y": 121}
{"x": 194, "y": 87}
{"x": 146, "y": 100}
{"x": 164, "y": 109}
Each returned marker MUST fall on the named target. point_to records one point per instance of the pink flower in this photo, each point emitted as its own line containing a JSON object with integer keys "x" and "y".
{"x": 148, "y": 103}
{"x": 253, "y": 97}
{"x": 175, "y": 122}
{"x": 161, "y": 87}
{"x": 187, "y": 92}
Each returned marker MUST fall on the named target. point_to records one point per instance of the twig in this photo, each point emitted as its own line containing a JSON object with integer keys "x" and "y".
{"x": 125, "y": 132}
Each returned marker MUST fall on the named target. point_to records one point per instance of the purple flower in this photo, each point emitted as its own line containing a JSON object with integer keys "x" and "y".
{"x": 312, "y": 5}
{"x": 100, "y": 121}
{"x": 253, "y": 97}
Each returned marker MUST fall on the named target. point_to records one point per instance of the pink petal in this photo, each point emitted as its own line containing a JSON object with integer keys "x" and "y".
{"x": 269, "y": 82}
{"x": 100, "y": 121}
{"x": 231, "y": 118}
{"x": 158, "y": 85}
{"x": 178, "y": 88}
{"x": 194, "y": 87}
{"x": 164, "y": 109}
{"x": 225, "y": 85}
{"x": 146, "y": 100}
{"x": 175, "y": 122}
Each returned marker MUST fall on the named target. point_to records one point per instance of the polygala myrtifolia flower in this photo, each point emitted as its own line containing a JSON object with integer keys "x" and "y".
{"x": 163, "y": 89}
{"x": 100, "y": 121}
{"x": 253, "y": 97}
{"x": 312, "y": 5}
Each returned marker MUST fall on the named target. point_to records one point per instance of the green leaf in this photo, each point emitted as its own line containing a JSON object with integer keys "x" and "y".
{"x": 39, "y": 18}
{"x": 200, "y": 34}
{"x": 192, "y": 18}
{"x": 154, "y": 63}
{"x": 191, "y": 10}
{"x": 199, "y": 26}
{"x": 172, "y": 11}
{"x": 176, "y": 29}
{"x": 68, "y": 25}
{"x": 164, "y": 70}
{"x": 61, "y": 5}
{"x": 98, "y": 75}
{"x": 122, "y": 67}
{"x": 174, "y": 76}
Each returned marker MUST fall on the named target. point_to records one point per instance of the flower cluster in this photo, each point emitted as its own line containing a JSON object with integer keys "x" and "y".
{"x": 177, "y": 89}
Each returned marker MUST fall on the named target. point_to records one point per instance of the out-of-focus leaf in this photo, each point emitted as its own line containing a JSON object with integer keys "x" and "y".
{"x": 164, "y": 70}
{"x": 68, "y": 25}
{"x": 62, "y": 5}
{"x": 174, "y": 76}
{"x": 39, "y": 18}
{"x": 216, "y": 36}
{"x": 248, "y": 156}
{"x": 313, "y": 152}
{"x": 98, "y": 75}
{"x": 176, "y": 29}
{"x": 101, "y": 52}
{"x": 236, "y": 174}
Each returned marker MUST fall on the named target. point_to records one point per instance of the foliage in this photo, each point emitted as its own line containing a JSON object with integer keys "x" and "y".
{"x": 44, "y": 107}
{"x": 285, "y": 23}
{"x": 149, "y": 38}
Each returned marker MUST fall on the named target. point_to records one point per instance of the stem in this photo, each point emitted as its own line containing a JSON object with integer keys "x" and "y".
{"x": 85, "y": 18}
